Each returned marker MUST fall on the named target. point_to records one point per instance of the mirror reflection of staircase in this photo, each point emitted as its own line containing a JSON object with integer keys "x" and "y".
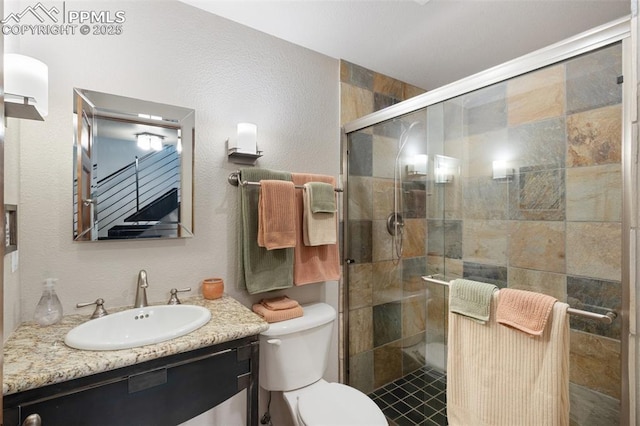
{"x": 142, "y": 199}
{"x": 159, "y": 210}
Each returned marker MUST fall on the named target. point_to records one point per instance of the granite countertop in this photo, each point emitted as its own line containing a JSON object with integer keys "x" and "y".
{"x": 37, "y": 356}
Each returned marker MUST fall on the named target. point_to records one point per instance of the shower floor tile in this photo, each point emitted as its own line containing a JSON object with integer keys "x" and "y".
{"x": 418, "y": 398}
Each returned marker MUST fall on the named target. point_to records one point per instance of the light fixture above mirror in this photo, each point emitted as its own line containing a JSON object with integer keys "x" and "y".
{"x": 149, "y": 141}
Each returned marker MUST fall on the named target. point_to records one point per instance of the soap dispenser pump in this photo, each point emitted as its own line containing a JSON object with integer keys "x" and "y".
{"x": 49, "y": 309}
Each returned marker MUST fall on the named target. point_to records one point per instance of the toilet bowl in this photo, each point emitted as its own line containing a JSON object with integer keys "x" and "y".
{"x": 293, "y": 359}
{"x": 324, "y": 403}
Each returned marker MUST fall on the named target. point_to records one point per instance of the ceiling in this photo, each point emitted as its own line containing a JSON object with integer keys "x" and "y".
{"x": 427, "y": 45}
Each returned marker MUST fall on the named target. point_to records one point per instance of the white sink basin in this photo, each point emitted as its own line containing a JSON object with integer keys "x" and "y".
{"x": 137, "y": 327}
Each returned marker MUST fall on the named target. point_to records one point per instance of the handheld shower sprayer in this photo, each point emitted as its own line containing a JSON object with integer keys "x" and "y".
{"x": 395, "y": 222}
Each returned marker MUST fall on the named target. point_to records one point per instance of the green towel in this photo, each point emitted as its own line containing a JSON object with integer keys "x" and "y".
{"x": 471, "y": 299}
{"x": 260, "y": 269}
{"x": 322, "y": 197}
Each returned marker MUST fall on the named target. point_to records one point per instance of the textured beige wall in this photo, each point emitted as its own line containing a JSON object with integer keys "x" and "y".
{"x": 170, "y": 53}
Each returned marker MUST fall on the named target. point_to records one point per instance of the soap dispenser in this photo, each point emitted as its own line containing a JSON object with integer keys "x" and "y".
{"x": 49, "y": 309}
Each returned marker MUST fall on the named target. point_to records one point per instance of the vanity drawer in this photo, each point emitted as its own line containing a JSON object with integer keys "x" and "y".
{"x": 163, "y": 393}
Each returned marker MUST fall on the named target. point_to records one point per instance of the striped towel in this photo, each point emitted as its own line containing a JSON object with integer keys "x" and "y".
{"x": 523, "y": 310}
{"x": 497, "y": 376}
{"x": 322, "y": 198}
{"x": 279, "y": 303}
{"x": 277, "y": 214}
{"x": 318, "y": 229}
{"x": 471, "y": 299}
{"x": 313, "y": 264}
{"x": 278, "y": 315}
{"x": 260, "y": 269}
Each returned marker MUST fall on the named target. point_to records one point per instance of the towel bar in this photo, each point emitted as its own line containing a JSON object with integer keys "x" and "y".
{"x": 234, "y": 179}
{"x": 604, "y": 318}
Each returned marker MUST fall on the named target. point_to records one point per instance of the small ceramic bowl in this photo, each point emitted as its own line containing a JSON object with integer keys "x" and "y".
{"x": 212, "y": 288}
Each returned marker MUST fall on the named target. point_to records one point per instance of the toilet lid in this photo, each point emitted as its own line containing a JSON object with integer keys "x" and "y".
{"x": 341, "y": 405}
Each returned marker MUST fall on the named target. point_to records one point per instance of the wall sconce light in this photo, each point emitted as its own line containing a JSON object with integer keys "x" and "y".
{"x": 445, "y": 168}
{"x": 501, "y": 170}
{"x": 245, "y": 150}
{"x": 247, "y": 138}
{"x": 418, "y": 165}
{"x": 26, "y": 86}
{"x": 149, "y": 141}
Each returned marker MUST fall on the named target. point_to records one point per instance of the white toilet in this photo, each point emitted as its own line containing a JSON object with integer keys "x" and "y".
{"x": 293, "y": 358}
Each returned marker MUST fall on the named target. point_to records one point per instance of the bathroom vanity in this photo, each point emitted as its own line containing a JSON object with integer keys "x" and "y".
{"x": 161, "y": 384}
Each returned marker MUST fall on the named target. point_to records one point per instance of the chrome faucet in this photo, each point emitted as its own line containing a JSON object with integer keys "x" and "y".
{"x": 141, "y": 290}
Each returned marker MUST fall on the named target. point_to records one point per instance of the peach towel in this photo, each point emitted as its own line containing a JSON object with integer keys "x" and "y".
{"x": 312, "y": 264}
{"x": 276, "y": 215}
{"x": 275, "y": 316}
{"x": 279, "y": 303}
{"x": 526, "y": 311}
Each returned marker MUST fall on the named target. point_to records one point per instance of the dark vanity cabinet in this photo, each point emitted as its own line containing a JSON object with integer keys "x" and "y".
{"x": 164, "y": 391}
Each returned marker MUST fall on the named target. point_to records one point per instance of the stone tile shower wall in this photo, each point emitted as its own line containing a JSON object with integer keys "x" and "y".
{"x": 362, "y": 92}
{"x": 555, "y": 226}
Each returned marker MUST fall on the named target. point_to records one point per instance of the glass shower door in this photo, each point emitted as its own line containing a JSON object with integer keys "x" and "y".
{"x": 536, "y": 204}
{"x": 518, "y": 184}
{"x": 395, "y": 328}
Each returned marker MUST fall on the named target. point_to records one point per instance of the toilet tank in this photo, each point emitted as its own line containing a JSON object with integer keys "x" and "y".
{"x": 294, "y": 353}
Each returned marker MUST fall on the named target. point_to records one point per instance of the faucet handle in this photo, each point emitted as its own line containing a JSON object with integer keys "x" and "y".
{"x": 173, "y": 300}
{"x": 100, "y": 310}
